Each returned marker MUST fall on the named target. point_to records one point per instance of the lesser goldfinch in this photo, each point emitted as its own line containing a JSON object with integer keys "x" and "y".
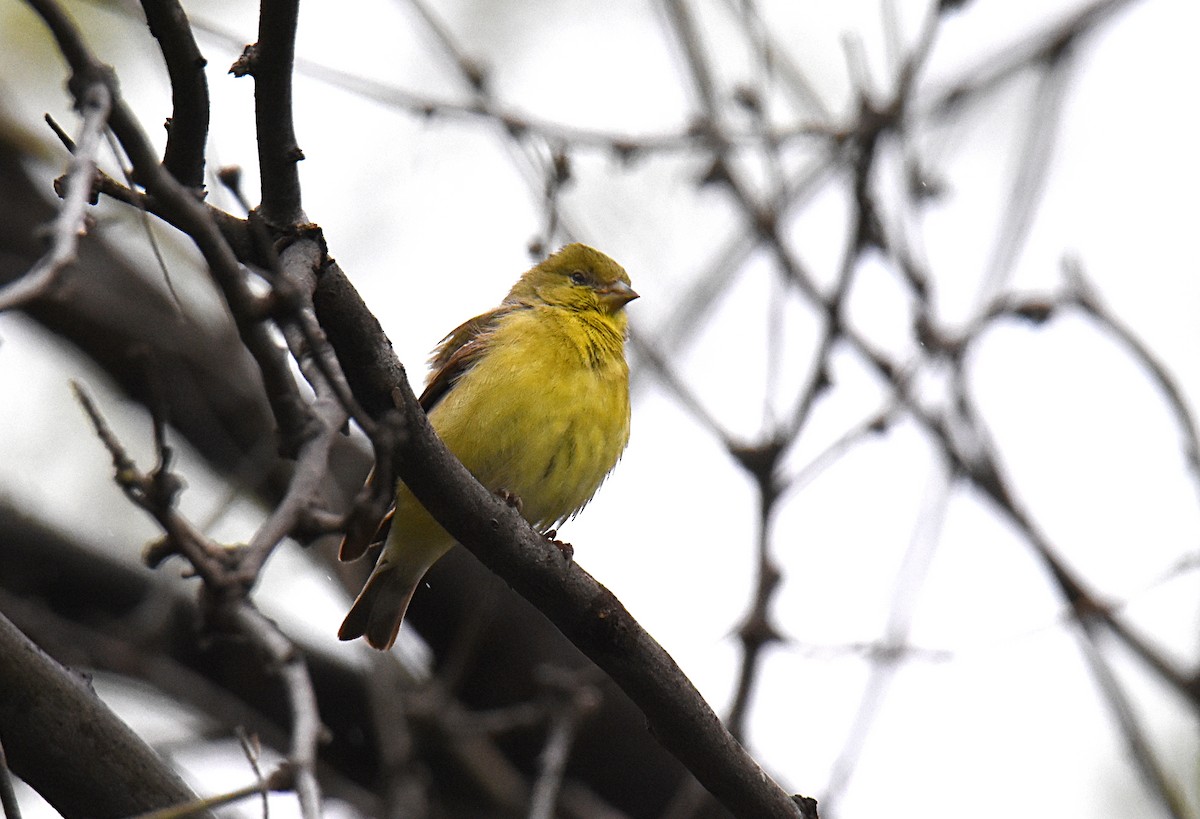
{"x": 533, "y": 398}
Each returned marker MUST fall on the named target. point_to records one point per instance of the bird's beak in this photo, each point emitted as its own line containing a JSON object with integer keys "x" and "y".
{"x": 616, "y": 295}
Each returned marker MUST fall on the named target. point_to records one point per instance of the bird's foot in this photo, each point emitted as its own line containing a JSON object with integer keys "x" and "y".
{"x": 567, "y": 550}
{"x": 511, "y": 498}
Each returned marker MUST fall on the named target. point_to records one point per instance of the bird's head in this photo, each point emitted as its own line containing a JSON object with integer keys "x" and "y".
{"x": 577, "y": 277}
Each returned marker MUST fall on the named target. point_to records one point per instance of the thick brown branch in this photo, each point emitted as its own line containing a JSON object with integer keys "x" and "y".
{"x": 52, "y": 722}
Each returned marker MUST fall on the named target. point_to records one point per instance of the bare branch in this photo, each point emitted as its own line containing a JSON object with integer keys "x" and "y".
{"x": 270, "y": 61}
{"x": 94, "y": 103}
{"x": 8, "y": 797}
{"x": 191, "y": 216}
{"x": 1136, "y": 742}
{"x": 51, "y": 719}
{"x": 1085, "y": 296}
{"x": 187, "y": 129}
{"x": 1008, "y": 60}
{"x": 200, "y": 807}
{"x": 579, "y": 699}
{"x": 306, "y": 720}
{"x": 892, "y": 650}
{"x": 1033, "y": 168}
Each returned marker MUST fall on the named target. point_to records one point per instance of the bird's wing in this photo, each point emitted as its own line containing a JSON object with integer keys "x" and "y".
{"x": 459, "y": 352}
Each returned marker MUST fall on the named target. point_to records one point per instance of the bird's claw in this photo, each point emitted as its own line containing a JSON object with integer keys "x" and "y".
{"x": 566, "y": 549}
{"x": 511, "y": 498}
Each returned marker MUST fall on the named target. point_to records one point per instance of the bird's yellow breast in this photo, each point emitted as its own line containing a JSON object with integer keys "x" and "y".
{"x": 545, "y": 413}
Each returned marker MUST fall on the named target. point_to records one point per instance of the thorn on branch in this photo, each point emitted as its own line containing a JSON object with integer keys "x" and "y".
{"x": 123, "y": 465}
{"x": 244, "y": 65}
{"x": 62, "y": 135}
{"x": 807, "y": 805}
{"x": 231, "y": 177}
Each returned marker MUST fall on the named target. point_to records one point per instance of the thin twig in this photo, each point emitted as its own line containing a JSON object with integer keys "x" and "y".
{"x": 252, "y": 750}
{"x": 302, "y": 702}
{"x": 155, "y": 493}
{"x": 226, "y": 585}
{"x": 147, "y": 226}
{"x": 647, "y": 351}
{"x": 1033, "y": 171}
{"x": 893, "y": 647}
{"x": 579, "y": 700}
{"x": 190, "y": 215}
{"x": 1084, "y": 295}
{"x": 1010, "y": 59}
{"x": 94, "y": 103}
{"x": 621, "y": 144}
{"x": 8, "y": 796}
{"x": 278, "y": 781}
{"x": 1136, "y": 742}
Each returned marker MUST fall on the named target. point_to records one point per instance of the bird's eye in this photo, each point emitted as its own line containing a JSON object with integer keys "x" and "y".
{"x": 578, "y": 277}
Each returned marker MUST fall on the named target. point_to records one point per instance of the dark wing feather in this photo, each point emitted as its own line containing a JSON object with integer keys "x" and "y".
{"x": 458, "y": 352}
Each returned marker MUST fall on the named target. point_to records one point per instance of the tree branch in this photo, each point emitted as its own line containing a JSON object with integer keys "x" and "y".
{"x": 95, "y": 103}
{"x": 187, "y": 129}
{"x": 270, "y": 62}
{"x": 51, "y": 721}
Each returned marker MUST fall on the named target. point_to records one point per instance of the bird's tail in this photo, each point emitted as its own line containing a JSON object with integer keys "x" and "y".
{"x": 380, "y": 606}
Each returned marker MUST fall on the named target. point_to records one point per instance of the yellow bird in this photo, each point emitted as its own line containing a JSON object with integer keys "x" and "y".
{"x": 533, "y": 398}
